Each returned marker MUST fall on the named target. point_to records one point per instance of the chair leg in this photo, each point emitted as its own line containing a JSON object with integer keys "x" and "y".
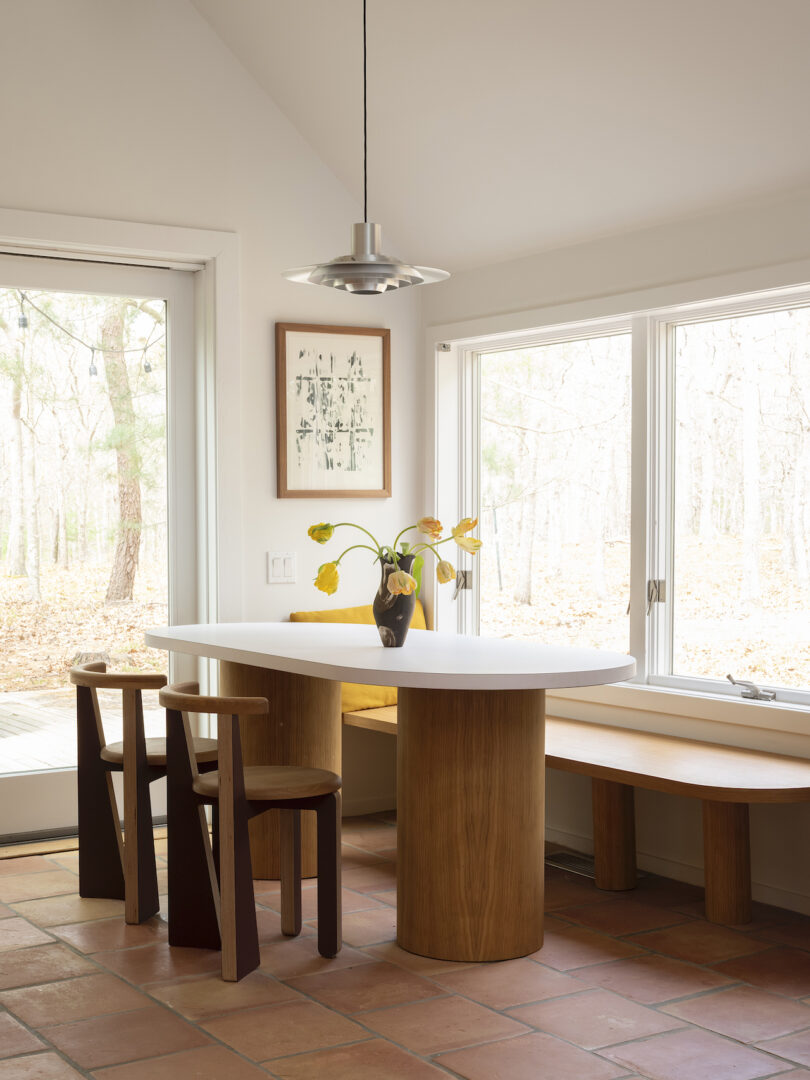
{"x": 240, "y": 934}
{"x": 290, "y": 853}
{"x": 330, "y": 933}
{"x": 193, "y": 890}
{"x": 140, "y": 871}
{"x": 101, "y": 851}
{"x": 215, "y": 837}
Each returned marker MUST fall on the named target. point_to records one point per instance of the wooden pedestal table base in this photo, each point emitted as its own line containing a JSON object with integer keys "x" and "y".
{"x": 470, "y": 814}
{"x": 303, "y": 728}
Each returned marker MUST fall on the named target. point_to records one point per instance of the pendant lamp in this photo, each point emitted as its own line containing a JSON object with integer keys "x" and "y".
{"x": 367, "y": 271}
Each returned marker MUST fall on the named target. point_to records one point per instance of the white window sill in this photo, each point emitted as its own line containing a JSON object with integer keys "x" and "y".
{"x": 780, "y": 727}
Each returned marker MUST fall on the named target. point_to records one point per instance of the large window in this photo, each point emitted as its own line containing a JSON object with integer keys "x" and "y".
{"x": 713, "y": 457}
{"x": 555, "y": 491}
{"x": 740, "y": 499}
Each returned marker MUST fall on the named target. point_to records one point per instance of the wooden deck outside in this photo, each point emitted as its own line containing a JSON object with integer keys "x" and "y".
{"x": 38, "y": 727}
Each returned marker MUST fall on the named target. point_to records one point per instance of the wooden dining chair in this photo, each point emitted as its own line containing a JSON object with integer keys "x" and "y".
{"x": 113, "y": 866}
{"x": 211, "y": 901}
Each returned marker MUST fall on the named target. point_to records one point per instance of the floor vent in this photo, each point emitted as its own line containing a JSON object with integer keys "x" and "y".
{"x": 573, "y": 861}
{"x": 577, "y": 863}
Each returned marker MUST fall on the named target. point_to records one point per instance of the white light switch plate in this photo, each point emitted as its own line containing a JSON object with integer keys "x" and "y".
{"x": 281, "y": 568}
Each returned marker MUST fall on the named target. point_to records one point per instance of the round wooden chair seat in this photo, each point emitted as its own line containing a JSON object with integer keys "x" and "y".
{"x": 271, "y": 782}
{"x": 205, "y": 750}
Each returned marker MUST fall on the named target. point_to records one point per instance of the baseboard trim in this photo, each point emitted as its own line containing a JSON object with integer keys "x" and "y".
{"x": 687, "y": 872}
{"x": 375, "y": 805}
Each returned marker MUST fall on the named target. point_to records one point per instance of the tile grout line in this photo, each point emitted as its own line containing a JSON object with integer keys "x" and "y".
{"x": 571, "y": 972}
{"x": 48, "y": 1048}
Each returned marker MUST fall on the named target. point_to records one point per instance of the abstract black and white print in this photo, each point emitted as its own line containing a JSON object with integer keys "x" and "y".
{"x": 334, "y": 411}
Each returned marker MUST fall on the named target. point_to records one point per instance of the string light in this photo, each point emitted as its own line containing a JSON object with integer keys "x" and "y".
{"x": 22, "y": 322}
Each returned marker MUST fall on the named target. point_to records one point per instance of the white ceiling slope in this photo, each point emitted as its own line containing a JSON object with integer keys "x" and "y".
{"x": 498, "y": 129}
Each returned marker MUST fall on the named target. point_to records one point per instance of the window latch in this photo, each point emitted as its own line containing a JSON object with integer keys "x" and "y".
{"x": 751, "y": 690}
{"x": 656, "y": 592}
{"x": 462, "y": 582}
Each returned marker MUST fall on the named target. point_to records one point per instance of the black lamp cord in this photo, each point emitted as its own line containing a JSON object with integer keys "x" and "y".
{"x": 365, "y": 125}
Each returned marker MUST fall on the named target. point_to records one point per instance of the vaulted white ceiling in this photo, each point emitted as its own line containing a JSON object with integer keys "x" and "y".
{"x": 498, "y": 128}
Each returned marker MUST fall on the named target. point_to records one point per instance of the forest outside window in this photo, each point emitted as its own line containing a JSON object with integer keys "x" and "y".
{"x": 699, "y": 493}
{"x": 555, "y": 491}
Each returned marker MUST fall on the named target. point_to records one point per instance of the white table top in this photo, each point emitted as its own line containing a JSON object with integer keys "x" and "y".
{"x": 353, "y": 653}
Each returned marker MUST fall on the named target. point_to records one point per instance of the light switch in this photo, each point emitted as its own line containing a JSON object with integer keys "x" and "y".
{"x": 281, "y": 567}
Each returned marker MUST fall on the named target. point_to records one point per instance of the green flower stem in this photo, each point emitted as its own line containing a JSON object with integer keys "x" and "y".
{"x": 389, "y": 554}
{"x": 360, "y": 527}
{"x": 402, "y": 533}
{"x": 425, "y": 544}
{"x": 353, "y": 548}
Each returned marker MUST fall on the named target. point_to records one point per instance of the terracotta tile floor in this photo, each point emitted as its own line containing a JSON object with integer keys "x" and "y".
{"x": 626, "y": 987}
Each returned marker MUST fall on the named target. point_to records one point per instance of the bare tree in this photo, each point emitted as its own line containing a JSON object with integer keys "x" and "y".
{"x": 124, "y": 439}
{"x": 12, "y": 368}
{"x": 528, "y": 520}
{"x": 15, "y": 553}
{"x": 751, "y": 498}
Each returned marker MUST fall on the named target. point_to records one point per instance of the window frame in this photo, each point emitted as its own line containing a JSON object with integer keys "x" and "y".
{"x": 652, "y": 495}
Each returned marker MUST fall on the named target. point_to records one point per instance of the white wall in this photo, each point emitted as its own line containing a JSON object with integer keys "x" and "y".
{"x": 756, "y": 247}
{"x": 137, "y": 111}
{"x": 667, "y": 260}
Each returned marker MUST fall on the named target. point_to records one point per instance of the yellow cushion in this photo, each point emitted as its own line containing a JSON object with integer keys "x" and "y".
{"x": 357, "y": 696}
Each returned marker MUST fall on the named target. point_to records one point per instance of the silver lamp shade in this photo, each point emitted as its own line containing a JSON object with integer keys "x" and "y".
{"x": 366, "y": 271}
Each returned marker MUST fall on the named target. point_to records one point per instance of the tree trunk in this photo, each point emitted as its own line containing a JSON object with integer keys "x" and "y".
{"x": 528, "y": 520}
{"x": 125, "y": 563}
{"x": 32, "y": 524}
{"x": 56, "y": 531}
{"x": 797, "y": 521}
{"x": 598, "y": 558}
{"x": 84, "y": 553}
{"x": 751, "y": 500}
{"x": 523, "y": 585}
{"x": 64, "y": 554}
{"x": 15, "y": 554}
{"x": 706, "y": 520}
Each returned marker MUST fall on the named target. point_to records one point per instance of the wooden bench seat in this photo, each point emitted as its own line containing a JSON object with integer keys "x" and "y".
{"x": 725, "y": 778}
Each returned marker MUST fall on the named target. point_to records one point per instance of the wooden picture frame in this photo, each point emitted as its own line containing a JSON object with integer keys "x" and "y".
{"x": 333, "y": 411}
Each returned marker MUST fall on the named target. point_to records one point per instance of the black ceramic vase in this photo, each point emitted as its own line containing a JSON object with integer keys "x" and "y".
{"x": 392, "y": 613}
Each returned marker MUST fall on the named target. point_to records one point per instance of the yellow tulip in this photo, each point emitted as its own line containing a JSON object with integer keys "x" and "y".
{"x": 327, "y": 579}
{"x": 464, "y": 526}
{"x": 430, "y": 527}
{"x": 445, "y": 571}
{"x": 321, "y": 533}
{"x": 401, "y": 582}
{"x": 469, "y": 543}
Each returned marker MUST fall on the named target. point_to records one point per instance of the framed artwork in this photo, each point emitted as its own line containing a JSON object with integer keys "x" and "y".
{"x": 333, "y": 411}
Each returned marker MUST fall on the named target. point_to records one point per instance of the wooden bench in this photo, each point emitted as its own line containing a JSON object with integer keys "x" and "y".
{"x": 725, "y": 778}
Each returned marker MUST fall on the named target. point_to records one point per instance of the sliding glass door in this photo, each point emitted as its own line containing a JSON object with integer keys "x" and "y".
{"x": 97, "y": 504}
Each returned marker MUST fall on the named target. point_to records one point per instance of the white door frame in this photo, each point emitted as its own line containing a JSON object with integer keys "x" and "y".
{"x": 215, "y": 258}
{"x": 216, "y": 594}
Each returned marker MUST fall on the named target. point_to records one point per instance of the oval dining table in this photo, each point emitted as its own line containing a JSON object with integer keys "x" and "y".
{"x": 470, "y": 759}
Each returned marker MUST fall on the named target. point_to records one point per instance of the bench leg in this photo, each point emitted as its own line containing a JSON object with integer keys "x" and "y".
{"x": 727, "y": 862}
{"x": 614, "y": 835}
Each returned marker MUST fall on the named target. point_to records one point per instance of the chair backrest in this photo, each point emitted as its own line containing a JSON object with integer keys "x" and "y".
{"x": 94, "y": 676}
{"x": 186, "y": 697}
{"x": 181, "y": 699}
